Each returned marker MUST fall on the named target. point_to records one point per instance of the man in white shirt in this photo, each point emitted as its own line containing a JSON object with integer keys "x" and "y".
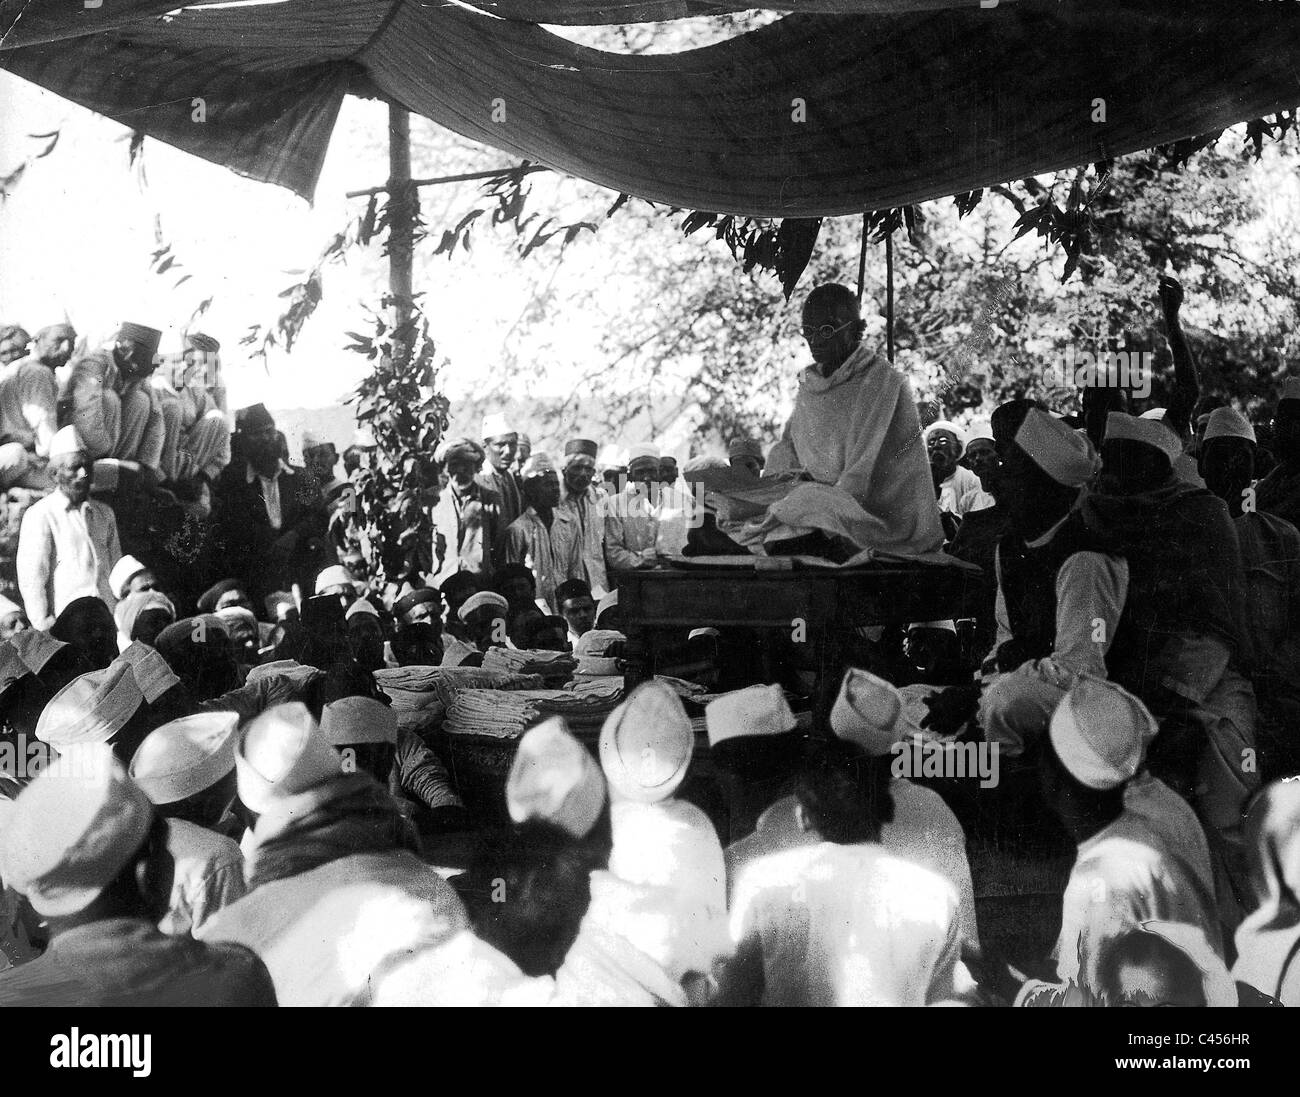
{"x": 959, "y": 490}
{"x": 842, "y": 921}
{"x": 1142, "y": 854}
{"x": 631, "y": 516}
{"x": 68, "y": 542}
{"x": 676, "y": 509}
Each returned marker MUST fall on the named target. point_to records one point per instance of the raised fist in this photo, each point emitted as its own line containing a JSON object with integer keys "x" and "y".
{"x": 1171, "y": 294}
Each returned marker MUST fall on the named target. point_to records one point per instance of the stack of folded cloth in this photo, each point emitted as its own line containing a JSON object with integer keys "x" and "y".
{"x": 592, "y": 650}
{"x": 597, "y": 686}
{"x": 424, "y": 688}
{"x": 549, "y": 664}
{"x": 504, "y": 714}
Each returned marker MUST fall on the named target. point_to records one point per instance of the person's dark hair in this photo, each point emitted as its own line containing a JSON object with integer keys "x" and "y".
{"x": 1141, "y": 948}
{"x": 343, "y": 678}
{"x": 572, "y": 588}
{"x": 506, "y": 572}
{"x": 1080, "y": 809}
{"x": 1130, "y": 466}
{"x": 288, "y": 639}
{"x": 535, "y": 629}
{"x": 87, "y": 624}
{"x": 760, "y": 758}
{"x": 200, "y": 657}
{"x": 834, "y": 295}
{"x": 844, "y": 793}
{"x": 1008, "y": 417}
{"x": 352, "y": 457}
{"x": 527, "y": 891}
{"x": 457, "y": 583}
{"x": 418, "y": 644}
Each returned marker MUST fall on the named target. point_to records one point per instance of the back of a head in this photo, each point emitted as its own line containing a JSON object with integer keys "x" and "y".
{"x": 1168, "y": 976}
{"x": 1128, "y": 466}
{"x": 844, "y": 793}
{"x": 1008, "y": 417}
{"x": 528, "y": 890}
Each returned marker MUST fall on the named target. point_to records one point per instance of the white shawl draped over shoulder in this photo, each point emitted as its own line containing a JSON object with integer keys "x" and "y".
{"x": 857, "y": 434}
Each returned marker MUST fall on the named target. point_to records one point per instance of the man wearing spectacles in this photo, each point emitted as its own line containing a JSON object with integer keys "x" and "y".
{"x": 856, "y": 437}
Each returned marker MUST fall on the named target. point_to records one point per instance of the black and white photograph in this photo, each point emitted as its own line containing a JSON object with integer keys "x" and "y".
{"x": 602, "y": 503}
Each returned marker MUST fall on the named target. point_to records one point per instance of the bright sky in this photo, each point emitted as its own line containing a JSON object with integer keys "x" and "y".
{"x": 78, "y": 233}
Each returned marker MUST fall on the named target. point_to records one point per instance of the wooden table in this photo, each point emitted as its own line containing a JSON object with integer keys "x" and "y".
{"x": 829, "y": 602}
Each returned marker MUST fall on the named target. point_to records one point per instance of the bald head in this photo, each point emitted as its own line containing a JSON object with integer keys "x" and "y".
{"x": 832, "y": 325}
{"x": 836, "y": 297}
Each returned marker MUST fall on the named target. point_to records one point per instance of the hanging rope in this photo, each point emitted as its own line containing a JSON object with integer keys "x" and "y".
{"x": 889, "y": 296}
{"x": 862, "y": 261}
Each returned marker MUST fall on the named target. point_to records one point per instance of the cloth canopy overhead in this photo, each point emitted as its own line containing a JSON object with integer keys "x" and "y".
{"x": 902, "y": 100}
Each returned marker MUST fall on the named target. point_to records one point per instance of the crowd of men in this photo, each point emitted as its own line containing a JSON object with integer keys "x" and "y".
{"x": 229, "y": 807}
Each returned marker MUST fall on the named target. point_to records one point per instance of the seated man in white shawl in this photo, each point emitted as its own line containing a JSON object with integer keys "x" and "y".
{"x": 855, "y": 436}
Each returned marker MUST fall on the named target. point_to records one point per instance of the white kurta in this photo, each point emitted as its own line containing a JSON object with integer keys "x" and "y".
{"x": 209, "y": 874}
{"x": 849, "y": 925}
{"x": 858, "y": 435}
{"x": 924, "y": 831}
{"x": 65, "y": 552}
{"x": 962, "y": 493}
{"x": 1150, "y": 864}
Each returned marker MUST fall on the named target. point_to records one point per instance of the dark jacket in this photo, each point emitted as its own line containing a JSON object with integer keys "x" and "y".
{"x": 244, "y": 544}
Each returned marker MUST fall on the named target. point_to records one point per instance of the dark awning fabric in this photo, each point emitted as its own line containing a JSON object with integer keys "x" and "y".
{"x": 905, "y": 101}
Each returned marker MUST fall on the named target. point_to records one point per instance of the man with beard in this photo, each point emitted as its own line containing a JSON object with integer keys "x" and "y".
{"x": 583, "y": 504}
{"x": 68, "y": 543}
{"x": 268, "y": 522}
{"x": 29, "y": 408}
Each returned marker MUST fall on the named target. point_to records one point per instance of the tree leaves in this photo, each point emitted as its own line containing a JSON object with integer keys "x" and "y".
{"x": 399, "y": 401}
{"x": 795, "y": 240}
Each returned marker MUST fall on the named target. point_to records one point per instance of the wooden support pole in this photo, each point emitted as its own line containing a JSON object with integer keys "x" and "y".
{"x": 889, "y": 296}
{"x": 401, "y": 217}
{"x": 862, "y": 261}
